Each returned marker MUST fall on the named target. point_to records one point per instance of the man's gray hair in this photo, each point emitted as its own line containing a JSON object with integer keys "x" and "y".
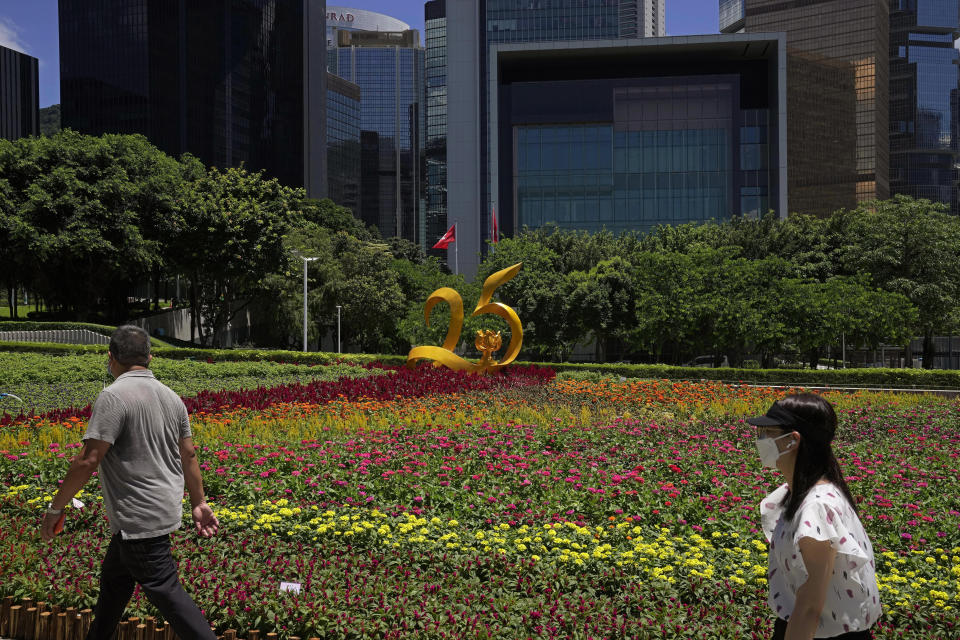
{"x": 130, "y": 346}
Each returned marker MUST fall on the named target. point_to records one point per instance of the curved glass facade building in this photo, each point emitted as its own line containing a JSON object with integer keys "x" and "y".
{"x": 924, "y": 99}
{"x": 347, "y": 19}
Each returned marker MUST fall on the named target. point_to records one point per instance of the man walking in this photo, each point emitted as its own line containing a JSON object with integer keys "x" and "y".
{"x": 139, "y": 437}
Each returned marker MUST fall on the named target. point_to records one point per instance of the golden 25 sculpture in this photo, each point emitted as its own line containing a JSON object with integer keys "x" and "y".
{"x": 487, "y": 342}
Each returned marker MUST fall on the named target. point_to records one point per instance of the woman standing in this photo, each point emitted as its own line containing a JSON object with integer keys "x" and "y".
{"x": 821, "y": 566}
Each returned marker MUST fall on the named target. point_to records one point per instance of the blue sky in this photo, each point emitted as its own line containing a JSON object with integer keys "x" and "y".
{"x": 31, "y": 26}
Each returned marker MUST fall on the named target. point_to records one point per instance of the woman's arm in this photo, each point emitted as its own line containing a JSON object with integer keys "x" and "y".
{"x": 818, "y": 557}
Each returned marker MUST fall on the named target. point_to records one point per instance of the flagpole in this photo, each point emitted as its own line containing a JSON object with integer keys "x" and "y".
{"x": 493, "y": 229}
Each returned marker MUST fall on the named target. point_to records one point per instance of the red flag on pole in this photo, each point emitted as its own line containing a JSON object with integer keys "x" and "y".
{"x": 448, "y": 238}
{"x": 496, "y": 231}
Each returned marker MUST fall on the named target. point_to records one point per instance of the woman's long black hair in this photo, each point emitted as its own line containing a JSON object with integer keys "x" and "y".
{"x": 815, "y": 459}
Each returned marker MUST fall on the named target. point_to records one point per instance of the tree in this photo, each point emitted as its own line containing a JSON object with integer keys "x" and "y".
{"x": 229, "y": 229}
{"x": 603, "y": 302}
{"x": 284, "y": 288}
{"x": 743, "y": 306}
{"x": 911, "y": 247}
{"x": 89, "y": 211}
{"x": 818, "y": 314}
{"x": 334, "y": 218}
{"x": 539, "y": 294}
{"x": 368, "y": 289}
{"x": 667, "y": 296}
{"x": 50, "y": 120}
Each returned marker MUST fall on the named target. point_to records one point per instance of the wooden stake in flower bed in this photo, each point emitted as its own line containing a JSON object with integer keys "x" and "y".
{"x": 14, "y": 626}
{"x": 46, "y": 626}
{"x": 5, "y": 616}
{"x": 69, "y": 623}
{"x": 30, "y": 621}
{"x": 253, "y": 635}
{"x": 122, "y": 632}
{"x": 86, "y": 616}
{"x": 61, "y": 626}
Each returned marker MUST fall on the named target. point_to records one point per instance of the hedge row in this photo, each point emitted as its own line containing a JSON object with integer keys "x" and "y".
{"x": 887, "y": 378}
{"x": 214, "y": 355}
{"x": 33, "y": 325}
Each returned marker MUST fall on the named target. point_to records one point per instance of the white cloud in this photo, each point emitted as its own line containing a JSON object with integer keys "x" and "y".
{"x": 10, "y": 36}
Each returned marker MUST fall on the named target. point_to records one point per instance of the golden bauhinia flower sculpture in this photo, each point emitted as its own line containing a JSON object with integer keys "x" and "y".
{"x": 487, "y": 342}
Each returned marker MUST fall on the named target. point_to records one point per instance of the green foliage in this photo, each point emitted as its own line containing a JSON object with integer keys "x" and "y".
{"x": 539, "y": 293}
{"x": 229, "y": 230}
{"x": 909, "y": 247}
{"x": 50, "y": 120}
{"x": 334, "y": 218}
{"x": 81, "y": 218}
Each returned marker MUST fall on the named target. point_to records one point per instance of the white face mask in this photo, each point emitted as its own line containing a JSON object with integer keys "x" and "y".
{"x": 769, "y": 454}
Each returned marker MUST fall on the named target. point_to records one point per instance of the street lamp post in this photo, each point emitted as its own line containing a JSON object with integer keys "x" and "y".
{"x": 338, "y": 329}
{"x": 305, "y": 261}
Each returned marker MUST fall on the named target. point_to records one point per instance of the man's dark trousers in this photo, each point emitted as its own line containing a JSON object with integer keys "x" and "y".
{"x": 149, "y": 562}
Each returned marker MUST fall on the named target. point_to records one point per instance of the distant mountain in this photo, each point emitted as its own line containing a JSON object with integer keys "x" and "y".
{"x": 50, "y": 120}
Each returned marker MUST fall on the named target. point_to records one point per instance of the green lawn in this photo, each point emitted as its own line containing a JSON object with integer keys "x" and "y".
{"x": 22, "y": 310}
{"x": 46, "y": 382}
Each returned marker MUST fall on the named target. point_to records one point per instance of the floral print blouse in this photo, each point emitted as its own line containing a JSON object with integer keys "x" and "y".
{"x": 853, "y": 600}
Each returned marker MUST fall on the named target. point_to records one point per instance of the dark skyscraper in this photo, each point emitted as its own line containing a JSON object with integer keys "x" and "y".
{"x": 837, "y": 50}
{"x": 923, "y": 86}
{"x": 230, "y": 81}
{"x": 435, "y": 12}
{"x": 19, "y": 95}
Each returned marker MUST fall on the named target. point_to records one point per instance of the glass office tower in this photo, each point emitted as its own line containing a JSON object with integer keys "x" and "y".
{"x": 388, "y": 68}
{"x": 923, "y": 99}
{"x": 436, "y": 121}
{"x": 343, "y": 142}
{"x": 519, "y": 21}
{"x": 732, "y": 15}
{"x": 658, "y": 134}
{"x": 838, "y": 49}
{"x": 19, "y": 95}
{"x": 480, "y": 25}
{"x": 237, "y": 81}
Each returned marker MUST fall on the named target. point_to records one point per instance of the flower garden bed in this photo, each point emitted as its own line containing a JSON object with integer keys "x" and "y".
{"x": 432, "y": 504}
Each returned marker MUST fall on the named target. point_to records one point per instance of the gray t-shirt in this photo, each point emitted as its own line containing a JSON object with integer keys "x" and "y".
{"x": 141, "y": 476}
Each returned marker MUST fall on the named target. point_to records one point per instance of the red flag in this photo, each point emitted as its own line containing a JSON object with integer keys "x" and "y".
{"x": 496, "y": 230}
{"x": 448, "y": 238}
